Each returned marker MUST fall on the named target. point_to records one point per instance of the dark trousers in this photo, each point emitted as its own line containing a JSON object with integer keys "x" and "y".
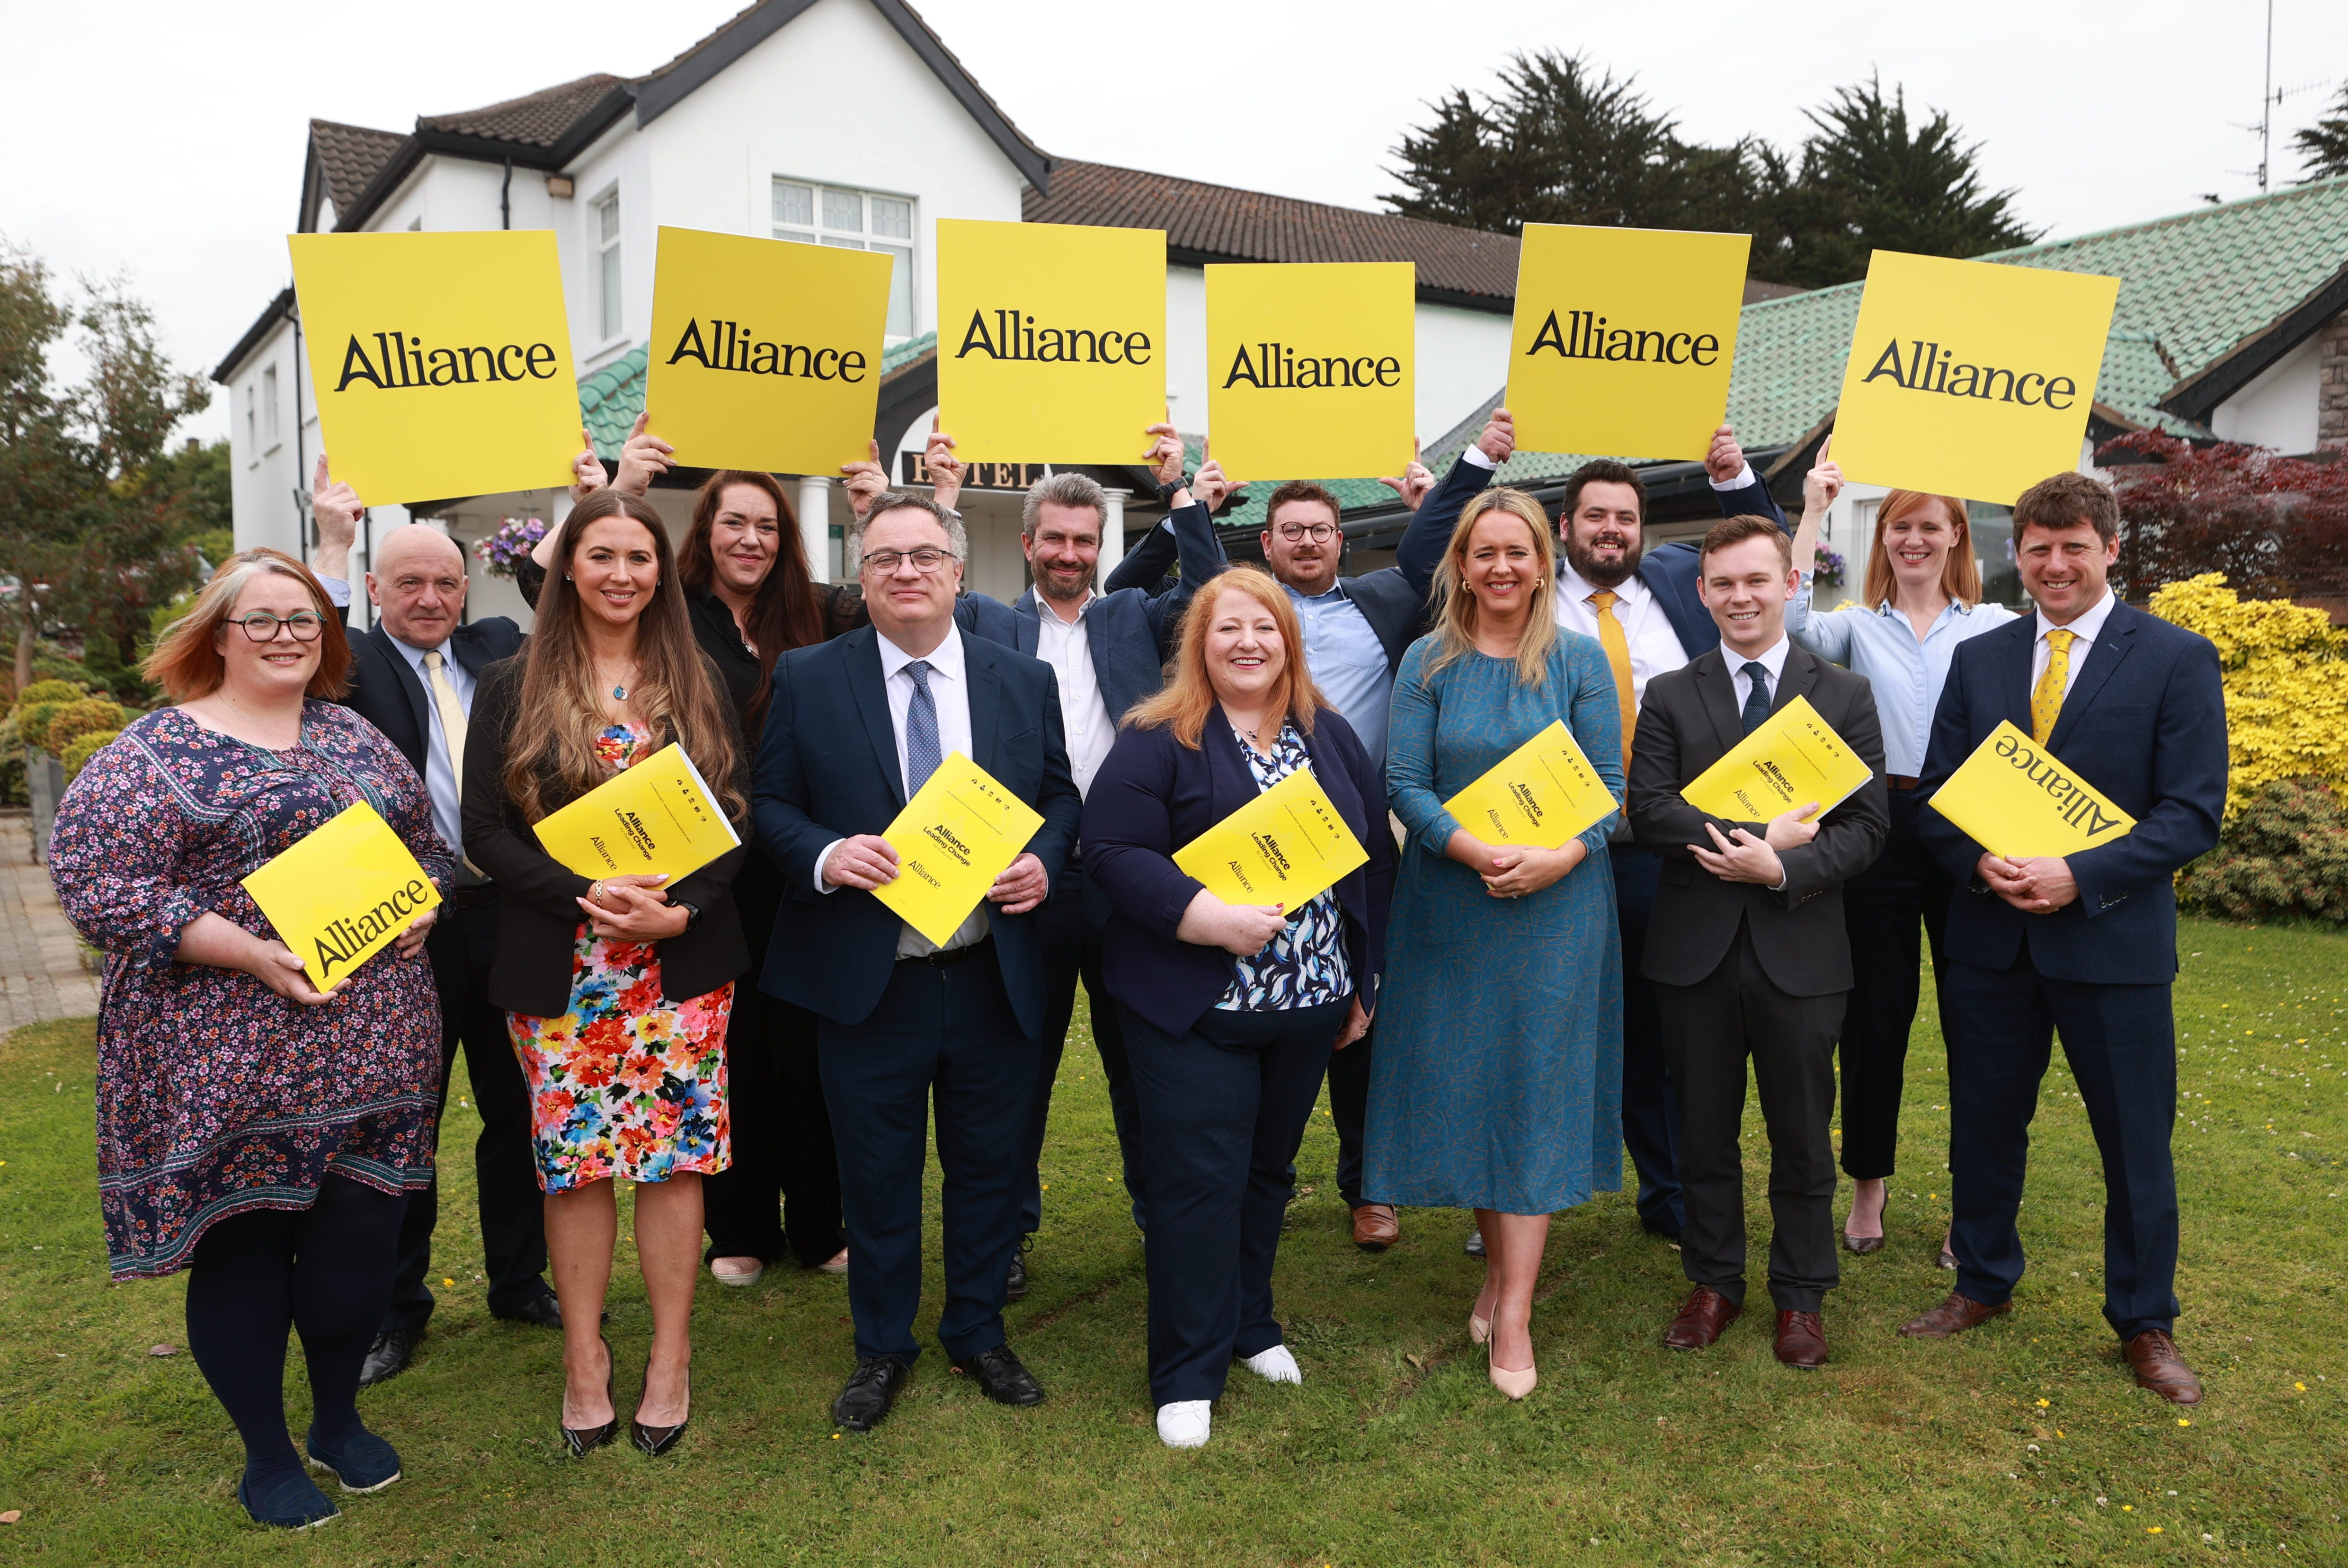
{"x": 1069, "y": 926}
{"x": 2121, "y": 1043}
{"x": 1881, "y": 909}
{"x": 945, "y": 1032}
{"x": 1651, "y": 1110}
{"x": 1349, "y": 1110}
{"x": 462, "y": 944}
{"x": 1709, "y": 1030}
{"x": 1223, "y": 1109}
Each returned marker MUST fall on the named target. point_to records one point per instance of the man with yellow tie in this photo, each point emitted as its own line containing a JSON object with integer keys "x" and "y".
{"x": 2083, "y": 945}
{"x": 412, "y": 676}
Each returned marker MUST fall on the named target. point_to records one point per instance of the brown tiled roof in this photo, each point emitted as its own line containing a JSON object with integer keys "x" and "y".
{"x": 536, "y": 119}
{"x": 1220, "y": 222}
{"x": 349, "y": 155}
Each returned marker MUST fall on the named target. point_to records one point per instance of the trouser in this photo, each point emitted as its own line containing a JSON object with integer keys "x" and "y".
{"x": 1349, "y": 1110}
{"x": 1223, "y": 1109}
{"x": 1069, "y": 925}
{"x": 461, "y": 945}
{"x": 1709, "y": 1029}
{"x": 2121, "y": 1043}
{"x": 1650, "y": 1112}
{"x": 943, "y": 1032}
{"x": 1881, "y": 909}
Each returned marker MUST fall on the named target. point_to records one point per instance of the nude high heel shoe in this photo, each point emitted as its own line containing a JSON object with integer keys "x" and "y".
{"x": 1480, "y": 1329}
{"x": 1514, "y": 1385}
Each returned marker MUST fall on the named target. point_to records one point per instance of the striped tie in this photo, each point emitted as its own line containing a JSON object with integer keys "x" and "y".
{"x": 2046, "y": 701}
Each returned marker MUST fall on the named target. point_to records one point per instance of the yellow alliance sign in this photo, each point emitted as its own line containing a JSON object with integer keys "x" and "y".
{"x": 1625, "y": 338}
{"x": 441, "y": 362}
{"x": 1970, "y": 379}
{"x": 1309, "y": 367}
{"x": 766, "y": 354}
{"x": 1051, "y": 340}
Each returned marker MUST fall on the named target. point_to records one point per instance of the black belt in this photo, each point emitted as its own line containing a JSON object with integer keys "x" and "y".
{"x": 1900, "y": 780}
{"x": 471, "y": 895}
{"x": 944, "y": 957}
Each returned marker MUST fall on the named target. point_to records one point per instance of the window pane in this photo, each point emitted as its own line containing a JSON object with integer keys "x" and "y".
{"x": 892, "y": 218}
{"x": 794, "y": 203}
{"x": 611, "y": 293}
{"x": 844, "y": 245}
{"x": 608, "y": 213}
{"x": 795, "y": 237}
{"x": 901, "y": 289}
{"x": 843, "y": 210}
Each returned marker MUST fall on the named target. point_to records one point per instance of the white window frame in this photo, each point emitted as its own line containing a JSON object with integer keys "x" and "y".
{"x": 822, "y": 226}
{"x": 611, "y": 264}
{"x": 269, "y": 424}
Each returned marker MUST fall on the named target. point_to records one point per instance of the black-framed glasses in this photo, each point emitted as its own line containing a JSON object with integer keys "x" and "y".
{"x": 927, "y": 561}
{"x": 1318, "y": 532}
{"x": 261, "y": 626}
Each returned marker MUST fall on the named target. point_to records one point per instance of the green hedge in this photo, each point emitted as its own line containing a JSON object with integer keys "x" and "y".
{"x": 2282, "y": 855}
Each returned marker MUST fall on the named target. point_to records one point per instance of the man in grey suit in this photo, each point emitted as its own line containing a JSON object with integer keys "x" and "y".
{"x": 1758, "y": 965}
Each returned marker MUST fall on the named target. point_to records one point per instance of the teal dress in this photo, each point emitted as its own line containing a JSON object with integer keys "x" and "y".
{"x": 1498, "y": 1082}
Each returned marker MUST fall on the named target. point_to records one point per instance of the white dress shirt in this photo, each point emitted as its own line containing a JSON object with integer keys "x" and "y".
{"x": 1773, "y": 660}
{"x": 440, "y": 767}
{"x": 949, "y": 683}
{"x": 1654, "y": 647}
{"x": 1067, "y": 647}
{"x": 2084, "y": 630}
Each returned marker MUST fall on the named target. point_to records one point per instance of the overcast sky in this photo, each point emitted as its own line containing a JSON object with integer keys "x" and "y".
{"x": 164, "y": 140}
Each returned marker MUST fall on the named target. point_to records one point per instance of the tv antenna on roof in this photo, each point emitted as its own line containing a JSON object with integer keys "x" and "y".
{"x": 2269, "y": 98}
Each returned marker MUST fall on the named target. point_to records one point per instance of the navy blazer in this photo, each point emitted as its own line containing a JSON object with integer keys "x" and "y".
{"x": 386, "y": 691}
{"x": 828, "y": 770}
{"x": 1130, "y": 630}
{"x": 1154, "y": 795}
{"x": 2144, "y": 723}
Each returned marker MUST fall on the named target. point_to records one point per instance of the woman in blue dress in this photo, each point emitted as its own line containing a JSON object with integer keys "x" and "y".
{"x": 1498, "y": 1078}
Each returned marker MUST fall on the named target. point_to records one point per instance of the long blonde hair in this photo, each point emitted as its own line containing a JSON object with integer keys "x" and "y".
{"x": 1960, "y": 573}
{"x": 1454, "y": 606}
{"x": 1188, "y": 696}
{"x": 557, "y": 713}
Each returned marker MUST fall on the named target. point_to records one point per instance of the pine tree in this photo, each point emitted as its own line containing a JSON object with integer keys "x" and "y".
{"x": 2323, "y": 146}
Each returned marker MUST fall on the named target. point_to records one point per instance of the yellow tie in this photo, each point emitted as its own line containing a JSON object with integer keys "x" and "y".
{"x": 452, "y": 715}
{"x": 1618, "y": 653}
{"x": 2046, "y": 701}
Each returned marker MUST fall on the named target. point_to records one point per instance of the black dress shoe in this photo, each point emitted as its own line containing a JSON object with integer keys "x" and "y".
{"x": 389, "y": 1355}
{"x": 1001, "y": 1377}
{"x": 544, "y": 1311}
{"x": 871, "y": 1388}
{"x": 584, "y": 1440}
{"x": 1015, "y": 1286}
{"x": 654, "y": 1441}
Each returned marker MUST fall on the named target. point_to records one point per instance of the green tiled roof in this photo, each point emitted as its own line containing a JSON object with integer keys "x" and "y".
{"x": 611, "y": 399}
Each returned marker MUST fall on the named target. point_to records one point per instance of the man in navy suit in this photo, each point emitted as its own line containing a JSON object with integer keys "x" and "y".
{"x": 412, "y": 676}
{"x": 854, "y": 727}
{"x": 2084, "y": 945}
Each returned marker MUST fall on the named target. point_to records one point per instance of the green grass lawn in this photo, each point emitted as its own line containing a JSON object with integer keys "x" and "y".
{"x": 2023, "y": 1443}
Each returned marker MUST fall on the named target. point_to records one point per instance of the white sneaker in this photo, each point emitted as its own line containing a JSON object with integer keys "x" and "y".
{"x": 1275, "y": 1365}
{"x": 1185, "y": 1423}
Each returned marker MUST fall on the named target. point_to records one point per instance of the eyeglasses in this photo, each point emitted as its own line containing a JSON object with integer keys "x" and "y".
{"x": 927, "y": 562}
{"x": 1318, "y": 532}
{"x": 261, "y": 626}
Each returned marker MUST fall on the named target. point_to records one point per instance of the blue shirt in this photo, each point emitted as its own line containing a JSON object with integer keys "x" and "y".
{"x": 1348, "y": 664}
{"x": 1907, "y": 675}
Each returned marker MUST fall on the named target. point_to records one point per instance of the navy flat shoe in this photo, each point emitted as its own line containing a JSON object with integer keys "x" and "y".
{"x": 293, "y": 1505}
{"x": 364, "y": 1464}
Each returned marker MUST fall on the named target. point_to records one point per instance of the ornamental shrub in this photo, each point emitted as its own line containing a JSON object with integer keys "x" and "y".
{"x": 2286, "y": 671}
{"x": 14, "y": 791}
{"x": 33, "y": 720}
{"x": 50, "y": 691}
{"x": 82, "y": 748}
{"x": 76, "y": 719}
{"x": 2283, "y": 855}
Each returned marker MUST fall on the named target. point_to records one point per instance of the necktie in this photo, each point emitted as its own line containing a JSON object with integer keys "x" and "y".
{"x": 1617, "y": 645}
{"x": 452, "y": 714}
{"x": 2046, "y": 701}
{"x": 922, "y": 753}
{"x": 1756, "y": 695}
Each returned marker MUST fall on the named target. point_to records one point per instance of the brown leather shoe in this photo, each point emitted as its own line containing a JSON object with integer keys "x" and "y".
{"x": 2161, "y": 1368}
{"x": 1953, "y": 1316}
{"x": 1802, "y": 1340}
{"x": 1374, "y": 1227}
{"x": 1701, "y": 1317}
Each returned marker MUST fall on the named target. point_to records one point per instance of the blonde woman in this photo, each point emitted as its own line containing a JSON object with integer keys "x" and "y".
{"x": 1498, "y": 1081}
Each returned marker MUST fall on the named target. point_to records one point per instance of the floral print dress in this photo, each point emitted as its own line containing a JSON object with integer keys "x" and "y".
{"x": 629, "y": 1084}
{"x": 1305, "y": 966}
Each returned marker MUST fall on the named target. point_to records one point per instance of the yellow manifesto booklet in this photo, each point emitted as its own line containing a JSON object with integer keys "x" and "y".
{"x": 1793, "y": 759}
{"x": 343, "y": 895}
{"x": 657, "y": 817}
{"x": 2012, "y": 798}
{"x": 1541, "y": 794}
{"x": 1287, "y": 846}
{"x": 960, "y": 831}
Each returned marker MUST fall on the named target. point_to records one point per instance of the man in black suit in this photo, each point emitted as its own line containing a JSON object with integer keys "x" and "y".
{"x": 1758, "y": 963}
{"x": 413, "y": 677}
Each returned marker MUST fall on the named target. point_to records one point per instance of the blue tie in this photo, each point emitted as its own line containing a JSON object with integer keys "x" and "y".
{"x": 1756, "y": 695}
{"x": 921, "y": 754}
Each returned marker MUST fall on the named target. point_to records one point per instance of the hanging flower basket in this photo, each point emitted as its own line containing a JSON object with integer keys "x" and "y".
{"x": 516, "y": 537}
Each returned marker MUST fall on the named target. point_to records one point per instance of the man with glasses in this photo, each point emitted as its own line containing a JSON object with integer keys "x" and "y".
{"x": 854, "y": 727}
{"x": 413, "y": 677}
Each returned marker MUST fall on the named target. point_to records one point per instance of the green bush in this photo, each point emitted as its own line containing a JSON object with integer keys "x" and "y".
{"x": 76, "y": 719}
{"x": 2284, "y": 854}
{"x": 13, "y": 791}
{"x": 33, "y": 720}
{"x": 81, "y": 748}
{"x": 50, "y": 691}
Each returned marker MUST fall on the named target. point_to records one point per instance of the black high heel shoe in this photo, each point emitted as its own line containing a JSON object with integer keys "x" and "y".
{"x": 654, "y": 1441}
{"x": 1862, "y": 1246}
{"x": 584, "y": 1440}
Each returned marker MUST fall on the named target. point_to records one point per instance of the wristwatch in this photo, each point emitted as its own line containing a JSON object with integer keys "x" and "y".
{"x": 1166, "y": 490}
{"x": 692, "y": 911}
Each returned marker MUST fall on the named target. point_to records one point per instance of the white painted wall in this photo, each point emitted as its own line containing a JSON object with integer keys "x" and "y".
{"x": 2279, "y": 409}
{"x": 264, "y": 477}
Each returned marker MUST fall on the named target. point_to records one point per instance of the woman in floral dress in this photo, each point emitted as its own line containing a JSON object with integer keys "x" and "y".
{"x": 250, "y": 1129}
{"x": 617, "y": 991}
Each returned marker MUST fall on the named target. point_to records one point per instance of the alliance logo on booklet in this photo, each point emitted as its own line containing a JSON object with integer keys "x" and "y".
{"x": 1014, "y": 335}
{"x": 728, "y": 347}
{"x": 1277, "y": 367}
{"x": 402, "y": 361}
{"x": 2073, "y": 801}
{"x": 1932, "y": 369}
{"x": 347, "y": 936}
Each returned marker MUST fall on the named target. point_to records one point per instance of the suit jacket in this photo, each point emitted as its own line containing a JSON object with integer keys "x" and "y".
{"x": 2144, "y": 723}
{"x": 538, "y": 917}
{"x": 1130, "y": 630}
{"x": 385, "y": 691}
{"x": 1153, "y": 795}
{"x": 828, "y": 770}
{"x": 1691, "y": 720}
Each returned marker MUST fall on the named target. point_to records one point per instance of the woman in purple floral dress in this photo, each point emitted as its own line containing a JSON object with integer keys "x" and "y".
{"x": 250, "y": 1129}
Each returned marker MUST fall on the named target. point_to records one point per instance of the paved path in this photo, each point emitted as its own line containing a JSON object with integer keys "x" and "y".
{"x": 41, "y": 975}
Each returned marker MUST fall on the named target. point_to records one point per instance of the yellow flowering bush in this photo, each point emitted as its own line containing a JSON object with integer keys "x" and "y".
{"x": 2286, "y": 672}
